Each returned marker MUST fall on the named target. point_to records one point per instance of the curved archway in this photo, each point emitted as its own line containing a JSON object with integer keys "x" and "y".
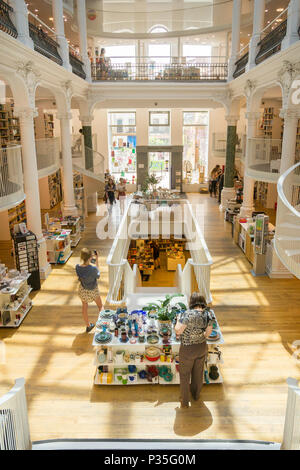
{"x": 158, "y": 28}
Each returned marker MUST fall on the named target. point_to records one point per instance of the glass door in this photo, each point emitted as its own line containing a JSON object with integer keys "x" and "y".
{"x": 159, "y": 165}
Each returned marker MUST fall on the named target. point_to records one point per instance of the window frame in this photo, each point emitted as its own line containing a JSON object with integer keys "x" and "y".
{"x": 159, "y": 125}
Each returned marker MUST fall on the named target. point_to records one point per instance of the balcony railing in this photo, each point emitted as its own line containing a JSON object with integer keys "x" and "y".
{"x": 164, "y": 69}
{"x": 271, "y": 37}
{"x": 6, "y": 24}
{"x": 44, "y": 44}
{"x": 219, "y": 141}
{"x": 11, "y": 177}
{"x": 264, "y": 158}
{"x": 76, "y": 64}
{"x": 47, "y": 156}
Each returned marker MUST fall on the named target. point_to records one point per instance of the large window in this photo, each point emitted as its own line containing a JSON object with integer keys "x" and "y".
{"x": 122, "y": 145}
{"x": 195, "y": 145}
{"x": 121, "y": 54}
{"x": 196, "y": 53}
{"x": 159, "y": 128}
{"x": 159, "y": 53}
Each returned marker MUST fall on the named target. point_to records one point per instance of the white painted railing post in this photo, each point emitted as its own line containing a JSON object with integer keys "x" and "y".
{"x": 14, "y": 426}
{"x": 291, "y": 433}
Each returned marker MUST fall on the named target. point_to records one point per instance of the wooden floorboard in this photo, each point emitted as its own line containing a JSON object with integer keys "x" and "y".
{"x": 259, "y": 318}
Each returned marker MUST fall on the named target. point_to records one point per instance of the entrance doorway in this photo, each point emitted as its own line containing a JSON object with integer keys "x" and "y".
{"x": 159, "y": 165}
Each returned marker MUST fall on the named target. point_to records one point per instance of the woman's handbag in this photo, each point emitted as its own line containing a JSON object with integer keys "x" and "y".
{"x": 105, "y": 198}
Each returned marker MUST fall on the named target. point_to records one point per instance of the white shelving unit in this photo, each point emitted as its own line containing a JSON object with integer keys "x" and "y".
{"x": 58, "y": 246}
{"x": 15, "y": 304}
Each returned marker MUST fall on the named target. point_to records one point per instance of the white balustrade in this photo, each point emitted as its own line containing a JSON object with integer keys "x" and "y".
{"x": 263, "y": 159}
{"x": 47, "y": 156}
{"x": 123, "y": 280}
{"x": 287, "y": 235}
{"x": 11, "y": 177}
{"x": 14, "y": 427}
{"x": 291, "y": 433}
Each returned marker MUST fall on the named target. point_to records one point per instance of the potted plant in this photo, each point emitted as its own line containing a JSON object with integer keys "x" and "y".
{"x": 166, "y": 310}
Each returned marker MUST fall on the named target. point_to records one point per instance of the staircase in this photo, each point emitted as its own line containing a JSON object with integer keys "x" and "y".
{"x": 287, "y": 236}
{"x": 94, "y": 176}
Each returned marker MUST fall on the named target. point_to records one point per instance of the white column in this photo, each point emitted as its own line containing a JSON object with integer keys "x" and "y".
{"x": 31, "y": 184}
{"x": 248, "y": 204}
{"x": 81, "y": 18}
{"x": 289, "y": 138}
{"x": 293, "y": 23}
{"x": 235, "y": 37}
{"x": 69, "y": 207}
{"x": 20, "y": 20}
{"x": 258, "y": 24}
{"x": 58, "y": 11}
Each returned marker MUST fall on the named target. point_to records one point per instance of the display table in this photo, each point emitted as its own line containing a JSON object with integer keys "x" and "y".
{"x": 120, "y": 363}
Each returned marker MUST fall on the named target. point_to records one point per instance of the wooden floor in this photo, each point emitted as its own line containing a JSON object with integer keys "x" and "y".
{"x": 259, "y": 317}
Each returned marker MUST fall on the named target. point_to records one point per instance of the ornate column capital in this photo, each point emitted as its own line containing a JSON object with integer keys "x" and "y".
{"x": 232, "y": 120}
{"x": 64, "y": 116}
{"x": 286, "y": 76}
{"x": 86, "y": 120}
{"x": 249, "y": 88}
{"x": 252, "y": 116}
{"x": 25, "y": 113}
{"x": 68, "y": 92}
{"x": 289, "y": 114}
{"x": 30, "y": 76}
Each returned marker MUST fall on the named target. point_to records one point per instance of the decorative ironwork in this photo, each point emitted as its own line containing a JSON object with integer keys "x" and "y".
{"x": 241, "y": 65}
{"x": 77, "y": 66}
{"x": 271, "y": 43}
{"x": 6, "y": 24}
{"x": 44, "y": 44}
{"x": 204, "y": 72}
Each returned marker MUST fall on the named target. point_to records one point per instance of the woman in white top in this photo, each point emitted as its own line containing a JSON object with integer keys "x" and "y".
{"x": 121, "y": 188}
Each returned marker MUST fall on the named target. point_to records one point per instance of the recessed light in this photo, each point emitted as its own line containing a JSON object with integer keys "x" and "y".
{"x": 51, "y": 19}
{"x": 279, "y": 9}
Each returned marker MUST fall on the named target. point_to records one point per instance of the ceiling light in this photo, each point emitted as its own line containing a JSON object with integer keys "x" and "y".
{"x": 279, "y": 9}
{"x": 51, "y": 19}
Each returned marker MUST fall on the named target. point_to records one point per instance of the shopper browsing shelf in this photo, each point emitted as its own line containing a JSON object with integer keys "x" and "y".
{"x": 193, "y": 326}
{"x": 214, "y": 175}
{"x": 121, "y": 188}
{"x": 88, "y": 274}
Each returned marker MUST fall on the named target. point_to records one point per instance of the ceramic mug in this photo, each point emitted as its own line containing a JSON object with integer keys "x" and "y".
{"x": 119, "y": 356}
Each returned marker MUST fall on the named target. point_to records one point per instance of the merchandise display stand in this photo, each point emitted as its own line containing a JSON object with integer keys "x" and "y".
{"x": 27, "y": 258}
{"x": 73, "y": 224}
{"x": 119, "y": 363}
{"x": 58, "y": 246}
{"x": 14, "y": 297}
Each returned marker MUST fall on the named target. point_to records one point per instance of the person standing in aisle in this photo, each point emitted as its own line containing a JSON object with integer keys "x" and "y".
{"x": 121, "y": 188}
{"x": 221, "y": 184}
{"x": 214, "y": 180}
{"x": 156, "y": 254}
{"x": 110, "y": 189}
{"x": 193, "y": 326}
{"x": 88, "y": 275}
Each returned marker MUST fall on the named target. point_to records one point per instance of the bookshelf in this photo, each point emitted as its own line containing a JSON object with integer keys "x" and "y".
{"x": 50, "y": 190}
{"x": 266, "y": 194}
{"x": 271, "y": 124}
{"x": 44, "y": 125}
{"x": 9, "y": 125}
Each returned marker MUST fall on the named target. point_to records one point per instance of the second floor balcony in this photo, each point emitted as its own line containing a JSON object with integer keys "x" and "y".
{"x": 184, "y": 69}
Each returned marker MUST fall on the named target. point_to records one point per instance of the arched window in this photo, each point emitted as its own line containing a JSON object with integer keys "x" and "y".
{"x": 158, "y": 28}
